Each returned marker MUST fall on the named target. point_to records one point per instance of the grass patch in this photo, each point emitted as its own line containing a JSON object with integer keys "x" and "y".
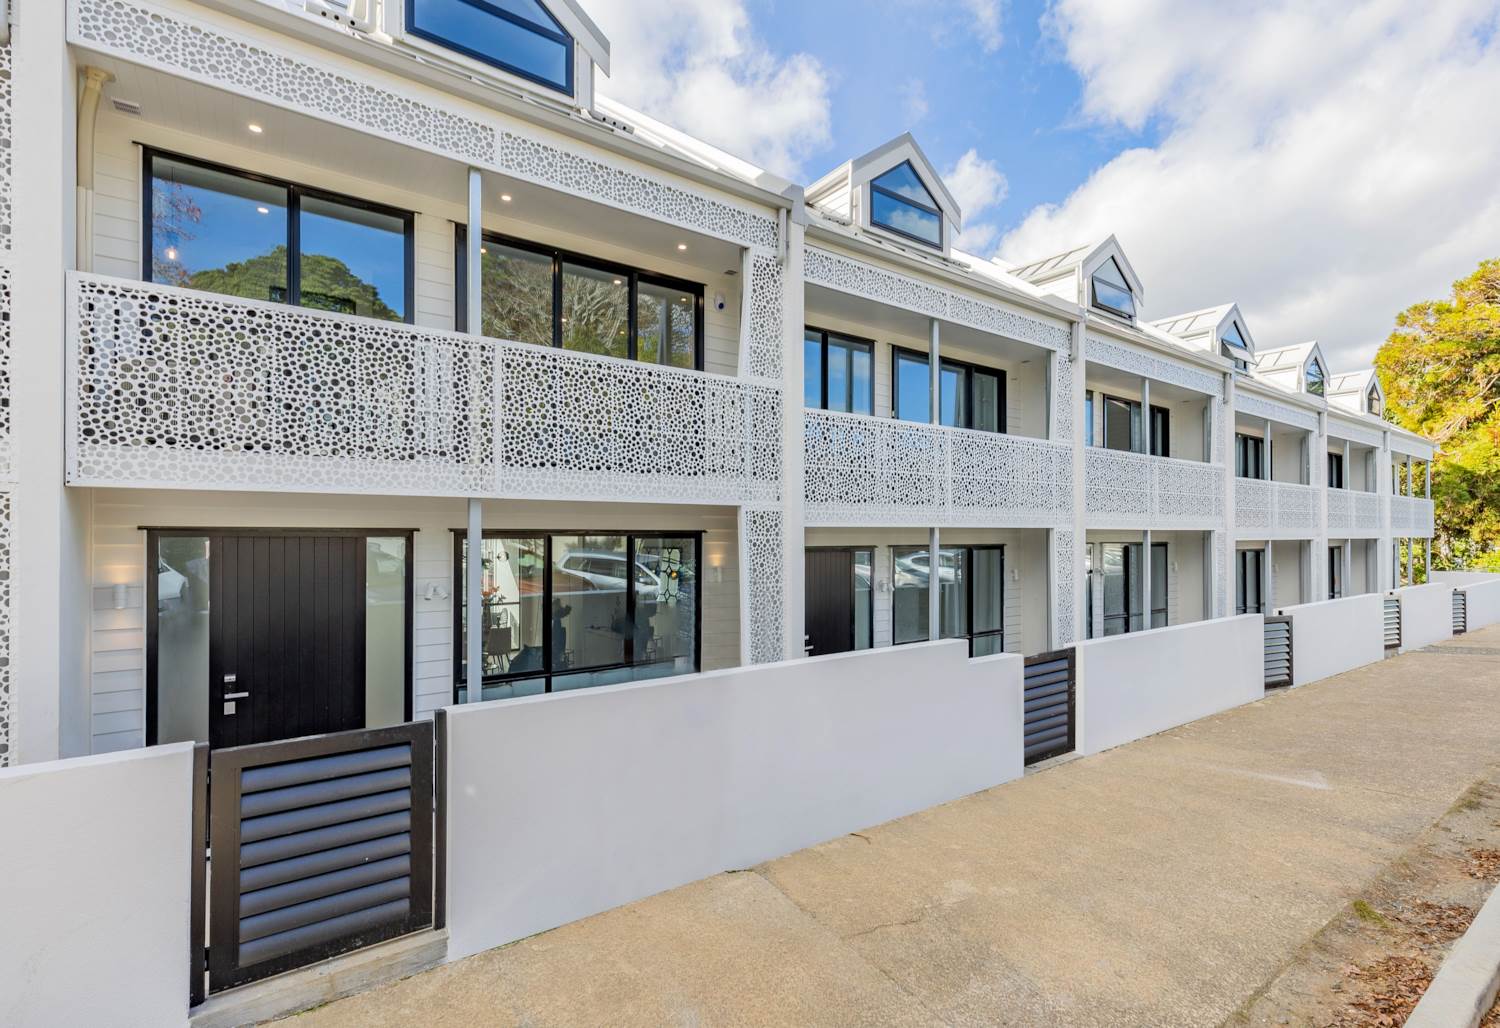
{"x": 1369, "y": 915}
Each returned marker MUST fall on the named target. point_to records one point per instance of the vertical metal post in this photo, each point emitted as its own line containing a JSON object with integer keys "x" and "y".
{"x": 1266, "y": 428}
{"x": 1146, "y": 415}
{"x": 1268, "y": 580}
{"x": 934, "y": 565}
{"x": 474, "y": 602}
{"x": 1145, "y": 580}
{"x": 1345, "y": 482}
{"x": 473, "y": 294}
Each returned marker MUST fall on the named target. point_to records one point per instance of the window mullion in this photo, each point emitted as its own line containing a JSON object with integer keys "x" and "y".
{"x": 557, "y": 301}
{"x": 294, "y": 246}
{"x": 630, "y": 592}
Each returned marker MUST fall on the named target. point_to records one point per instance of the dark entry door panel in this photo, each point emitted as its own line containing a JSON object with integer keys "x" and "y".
{"x": 830, "y": 601}
{"x": 287, "y": 630}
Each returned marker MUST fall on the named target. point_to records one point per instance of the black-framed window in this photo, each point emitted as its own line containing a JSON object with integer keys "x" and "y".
{"x": 1161, "y": 431}
{"x": 838, "y": 372}
{"x": 970, "y": 395}
{"x": 228, "y": 231}
{"x": 971, "y": 584}
{"x": 571, "y": 610}
{"x": 1336, "y": 471}
{"x": 551, "y": 297}
{"x": 1335, "y": 572}
{"x": 518, "y": 36}
{"x": 1249, "y": 575}
{"x": 1123, "y": 582}
{"x": 1249, "y": 456}
{"x": 1110, "y": 290}
{"x": 900, "y": 203}
{"x": 1124, "y": 428}
{"x": 1373, "y": 402}
{"x": 1317, "y": 378}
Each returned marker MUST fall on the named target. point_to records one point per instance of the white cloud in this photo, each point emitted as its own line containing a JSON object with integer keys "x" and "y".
{"x": 1324, "y": 164}
{"x": 978, "y": 185}
{"x": 985, "y": 15}
{"x": 698, "y": 66}
{"x": 915, "y": 101}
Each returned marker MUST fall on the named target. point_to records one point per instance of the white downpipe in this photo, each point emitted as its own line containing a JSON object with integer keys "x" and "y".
{"x": 88, "y": 110}
{"x": 934, "y": 564}
{"x": 474, "y": 568}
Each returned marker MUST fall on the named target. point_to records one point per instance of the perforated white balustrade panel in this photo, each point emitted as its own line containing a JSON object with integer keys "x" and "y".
{"x": 1297, "y": 510}
{"x": 575, "y": 425}
{"x": 1253, "y": 507}
{"x": 1354, "y": 514}
{"x": 1411, "y": 517}
{"x": 880, "y": 471}
{"x": 1133, "y": 490}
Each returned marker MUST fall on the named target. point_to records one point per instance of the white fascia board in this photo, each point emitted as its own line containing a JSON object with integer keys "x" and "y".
{"x": 1271, "y": 391}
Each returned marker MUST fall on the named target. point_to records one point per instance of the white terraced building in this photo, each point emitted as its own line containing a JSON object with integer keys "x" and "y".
{"x": 305, "y": 301}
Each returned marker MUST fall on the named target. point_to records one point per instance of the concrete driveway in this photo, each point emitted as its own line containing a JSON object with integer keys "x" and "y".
{"x": 1161, "y": 883}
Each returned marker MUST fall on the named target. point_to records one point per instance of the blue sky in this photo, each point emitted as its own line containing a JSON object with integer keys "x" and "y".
{"x": 1017, "y": 104}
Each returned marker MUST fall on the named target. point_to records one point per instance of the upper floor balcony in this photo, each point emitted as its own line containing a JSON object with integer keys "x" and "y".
{"x": 1274, "y": 466}
{"x": 172, "y": 387}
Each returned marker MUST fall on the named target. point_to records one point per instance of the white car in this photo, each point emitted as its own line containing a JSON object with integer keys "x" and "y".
{"x": 171, "y": 586}
{"x": 606, "y": 572}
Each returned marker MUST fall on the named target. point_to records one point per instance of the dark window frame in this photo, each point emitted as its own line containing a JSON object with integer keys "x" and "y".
{"x": 1242, "y": 560}
{"x": 1315, "y": 385}
{"x": 559, "y": 257}
{"x": 1336, "y": 572}
{"x": 1100, "y": 305}
{"x": 898, "y": 198}
{"x": 1000, "y": 374}
{"x": 1163, "y": 442}
{"x": 1148, "y": 424}
{"x": 1337, "y": 473}
{"x": 561, "y": 36}
{"x": 824, "y": 335}
{"x": 968, "y": 549}
{"x": 295, "y": 192}
{"x": 153, "y": 558}
{"x": 1131, "y": 572}
{"x": 1246, "y": 446}
{"x": 547, "y": 671}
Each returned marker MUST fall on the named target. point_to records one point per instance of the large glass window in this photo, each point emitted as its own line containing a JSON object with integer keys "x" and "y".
{"x": 1123, "y": 573}
{"x": 534, "y": 294}
{"x": 1335, "y": 572}
{"x": 971, "y": 584}
{"x": 987, "y": 601}
{"x": 223, "y": 231}
{"x": 1122, "y": 424}
{"x": 1248, "y": 576}
{"x": 182, "y": 638}
{"x": 1249, "y": 456}
{"x": 900, "y": 202}
{"x": 970, "y": 396}
{"x": 864, "y": 599}
{"x": 1111, "y": 291}
{"x": 571, "y": 611}
{"x": 1336, "y": 471}
{"x": 518, "y": 36}
{"x": 1161, "y": 431}
{"x": 1232, "y": 344}
{"x": 838, "y": 372}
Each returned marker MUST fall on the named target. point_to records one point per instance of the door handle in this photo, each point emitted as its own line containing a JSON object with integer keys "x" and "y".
{"x": 236, "y": 695}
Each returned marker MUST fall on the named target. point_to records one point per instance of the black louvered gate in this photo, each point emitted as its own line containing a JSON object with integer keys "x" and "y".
{"x": 1460, "y": 612}
{"x": 1049, "y": 689}
{"x": 317, "y": 847}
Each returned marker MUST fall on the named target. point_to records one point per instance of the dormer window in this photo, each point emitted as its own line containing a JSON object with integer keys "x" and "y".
{"x": 1373, "y": 403}
{"x": 900, "y": 203}
{"x": 1111, "y": 291}
{"x": 1316, "y": 377}
{"x": 517, "y": 36}
{"x": 1232, "y": 345}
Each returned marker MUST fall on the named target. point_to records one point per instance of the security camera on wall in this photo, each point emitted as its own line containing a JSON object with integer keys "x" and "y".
{"x": 719, "y": 302}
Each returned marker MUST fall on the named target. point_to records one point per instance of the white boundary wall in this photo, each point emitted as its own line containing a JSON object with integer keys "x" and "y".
{"x": 1483, "y": 602}
{"x": 1463, "y": 577}
{"x": 1426, "y": 614}
{"x": 1334, "y": 636}
{"x": 1135, "y": 685}
{"x": 566, "y": 805}
{"x": 75, "y": 948}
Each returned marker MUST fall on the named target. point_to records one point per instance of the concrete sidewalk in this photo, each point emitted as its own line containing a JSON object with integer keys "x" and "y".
{"x": 1161, "y": 883}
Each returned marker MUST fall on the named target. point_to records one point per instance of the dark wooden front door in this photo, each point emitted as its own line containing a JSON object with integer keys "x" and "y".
{"x": 287, "y": 637}
{"x": 829, "y": 613}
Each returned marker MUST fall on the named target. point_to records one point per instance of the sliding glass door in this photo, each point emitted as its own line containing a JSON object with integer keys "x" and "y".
{"x": 971, "y": 580}
{"x": 1123, "y": 581}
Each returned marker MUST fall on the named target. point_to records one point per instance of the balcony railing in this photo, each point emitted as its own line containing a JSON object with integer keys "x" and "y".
{"x": 1133, "y": 490}
{"x": 884, "y": 472}
{"x": 178, "y": 388}
{"x": 1276, "y": 510}
{"x": 1354, "y": 514}
{"x": 1411, "y": 517}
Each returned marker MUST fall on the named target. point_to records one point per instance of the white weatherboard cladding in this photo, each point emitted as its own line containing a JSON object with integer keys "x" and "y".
{"x": 563, "y": 806}
{"x": 161, "y": 37}
{"x": 1133, "y": 490}
{"x": 1147, "y": 365}
{"x": 861, "y": 470}
{"x": 1276, "y": 509}
{"x": 1260, "y": 407}
{"x": 1129, "y": 689}
{"x": 188, "y": 389}
{"x": 1336, "y": 636}
{"x": 848, "y": 275}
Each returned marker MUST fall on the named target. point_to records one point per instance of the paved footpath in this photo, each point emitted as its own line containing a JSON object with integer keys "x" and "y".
{"x": 1161, "y": 883}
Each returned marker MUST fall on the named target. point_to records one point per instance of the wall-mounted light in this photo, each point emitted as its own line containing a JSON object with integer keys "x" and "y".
{"x": 434, "y": 591}
{"x": 505, "y": 198}
{"x": 120, "y": 595}
{"x": 681, "y": 246}
{"x": 253, "y": 127}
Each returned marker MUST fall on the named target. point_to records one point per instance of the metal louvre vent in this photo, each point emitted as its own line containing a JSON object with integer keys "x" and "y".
{"x": 1460, "y": 612}
{"x": 1278, "y": 655}
{"x": 320, "y": 846}
{"x": 1049, "y": 697}
{"x": 1392, "y": 623}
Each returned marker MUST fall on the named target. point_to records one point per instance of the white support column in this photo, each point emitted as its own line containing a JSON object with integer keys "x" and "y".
{"x": 1145, "y": 415}
{"x": 474, "y": 602}
{"x": 1427, "y": 542}
{"x": 1266, "y": 470}
{"x": 1083, "y": 616}
{"x": 473, "y": 240}
{"x": 1224, "y": 594}
{"x": 1346, "y": 476}
{"x": 1411, "y": 550}
{"x": 934, "y": 552}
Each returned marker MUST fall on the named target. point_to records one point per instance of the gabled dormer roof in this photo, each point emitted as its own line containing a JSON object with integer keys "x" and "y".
{"x": 1206, "y": 329}
{"x": 1350, "y": 390}
{"x": 1286, "y": 367}
{"x": 845, "y": 191}
{"x": 1068, "y": 273}
{"x": 581, "y": 27}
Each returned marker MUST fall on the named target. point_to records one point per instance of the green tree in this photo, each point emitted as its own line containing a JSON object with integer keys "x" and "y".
{"x": 1440, "y": 369}
{"x": 327, "y": 283}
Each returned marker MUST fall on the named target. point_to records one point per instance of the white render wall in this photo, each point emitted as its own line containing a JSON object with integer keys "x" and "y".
{"x": 76, "y": 948}
{"x": 1426, "y": 615}
{"x": 563, "y": 806}
{"x": 117, "y": 642}
{"x": 1334, "y": 636}
{"x": 1464, "y": 577}
{"x": 1132, "y": 686}
{"x": 1483, "y": 603}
